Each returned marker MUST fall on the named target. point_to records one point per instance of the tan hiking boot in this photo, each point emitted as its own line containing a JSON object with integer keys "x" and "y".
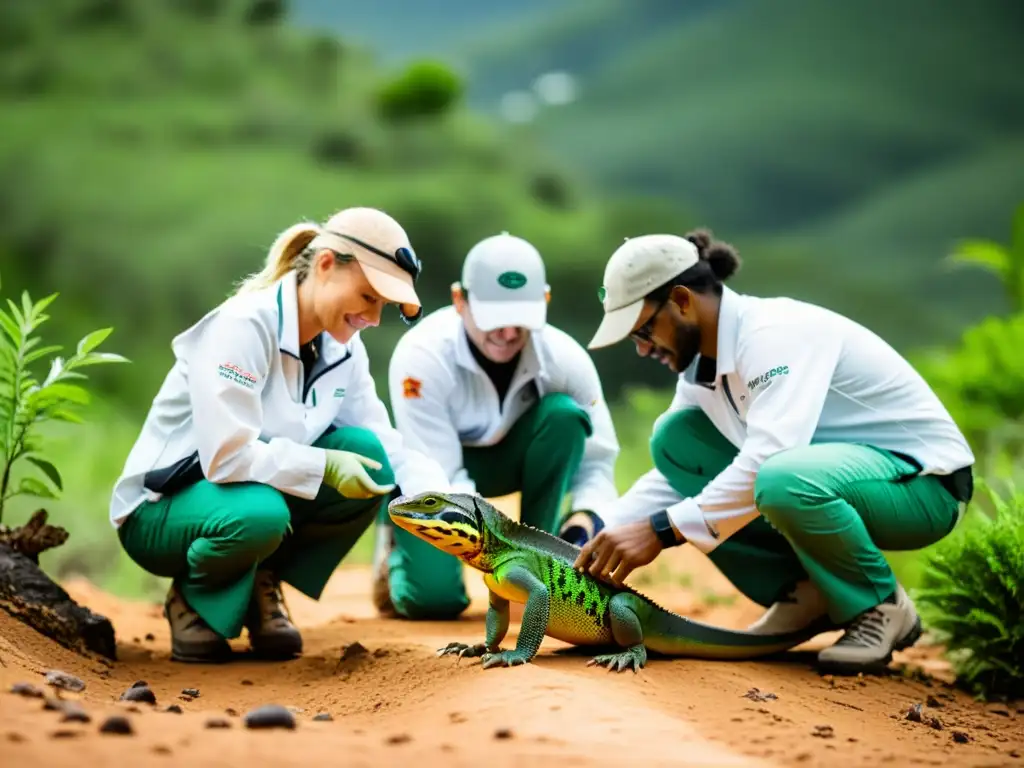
{"x": 271, "y": 632}
{"x": 383, "y": 544}
{"x": 870, "y": 639}
{"x": 192, "y": 639}
{"x": 803, "y": 609}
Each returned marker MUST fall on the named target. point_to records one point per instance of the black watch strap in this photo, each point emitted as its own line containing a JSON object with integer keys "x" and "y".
{"x": 663, "y": 528}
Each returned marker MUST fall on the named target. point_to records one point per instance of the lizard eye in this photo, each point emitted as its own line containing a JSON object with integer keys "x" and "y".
{"x": 430, "y": 502}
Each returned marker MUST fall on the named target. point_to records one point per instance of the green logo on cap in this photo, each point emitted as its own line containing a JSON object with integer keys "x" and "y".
{"x": 512, "y": 280}
{"x": 601, "y": 293}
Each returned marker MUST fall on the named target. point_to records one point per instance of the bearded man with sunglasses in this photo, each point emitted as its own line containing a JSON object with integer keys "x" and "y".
{"x": 799, "y": 445}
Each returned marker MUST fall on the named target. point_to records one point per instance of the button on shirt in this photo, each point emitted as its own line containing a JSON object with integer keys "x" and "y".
{"x": 788, "y": 373}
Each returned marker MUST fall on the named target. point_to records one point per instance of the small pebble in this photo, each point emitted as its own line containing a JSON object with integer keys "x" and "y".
{"x": 50, "y": 704}
{"x": 323, "y": 717}
{"x": 140, "y": 684}
{"x": 193, "y": 692}
{"x": 914, "y": 713}
{"x": 231, "y": 712}
{"x": 161, "y": 749}
{"x": 173, "y": 708}
{"x": 353, "y": 650}
{"x": 218, "y": 722}
{"x": 28, "y": 690}
{"x": 150, "y": 636}
{"x": 64, "y": 734}
{"x": 960, "y": 737}
{"x": 247, "y": 682}
{"x": 59, "y": 679}
{"x": 140, "y": 693}
{"x": 73, "y": 713}
{"x": 823, "y": 731}
{"x": 117, "y": 724}
{"x": 399, "y": 738}
{"x": 503, "y": 733}
{"x": 935, "y": 723}
{"x": 933, "y": 702}
{"x": 1001, "y": 711}
{"x": 16, "y": 737}
{"x": 270, "y": 716}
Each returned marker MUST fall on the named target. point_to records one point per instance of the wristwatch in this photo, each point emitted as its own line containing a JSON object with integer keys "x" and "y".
{"x": 662, "y": 527}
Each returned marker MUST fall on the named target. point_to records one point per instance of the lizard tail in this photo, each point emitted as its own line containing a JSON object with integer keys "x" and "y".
{"x": 669, "y": 634}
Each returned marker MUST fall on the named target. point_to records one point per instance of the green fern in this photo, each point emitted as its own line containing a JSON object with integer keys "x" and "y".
{"x": 971, "y": 597}
{"x": 26, "y": 402}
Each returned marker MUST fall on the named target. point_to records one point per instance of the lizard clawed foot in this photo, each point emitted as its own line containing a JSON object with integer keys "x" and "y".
{"x": 635, "y": 657}
{"x": 461, "y": 649}
{"x": 511, "y": 658}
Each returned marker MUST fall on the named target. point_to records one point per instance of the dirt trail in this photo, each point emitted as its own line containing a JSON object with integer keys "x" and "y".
{"x": 398, "y": 702}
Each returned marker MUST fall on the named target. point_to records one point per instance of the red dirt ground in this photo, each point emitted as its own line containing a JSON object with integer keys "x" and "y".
{"x": 399, "y": 702}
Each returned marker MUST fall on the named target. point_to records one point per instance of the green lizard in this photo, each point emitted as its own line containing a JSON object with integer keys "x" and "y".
{"x": 526, "y": 565}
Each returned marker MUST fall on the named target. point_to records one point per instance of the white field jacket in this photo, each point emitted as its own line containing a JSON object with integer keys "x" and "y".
{"x": 454, "y": 403}
{"x": 235, "y": 405}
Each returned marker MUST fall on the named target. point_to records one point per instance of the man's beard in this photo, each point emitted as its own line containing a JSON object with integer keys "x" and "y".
{"x": 686, "y": 343}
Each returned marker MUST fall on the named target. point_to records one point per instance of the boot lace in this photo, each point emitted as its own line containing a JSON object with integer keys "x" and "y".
{"x": 867, "y": 629}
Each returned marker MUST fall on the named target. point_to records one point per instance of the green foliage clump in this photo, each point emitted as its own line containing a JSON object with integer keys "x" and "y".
{"x": 971, "y": 596}
{"x": 423, "y": 89}
{"x": 26, "y": 403}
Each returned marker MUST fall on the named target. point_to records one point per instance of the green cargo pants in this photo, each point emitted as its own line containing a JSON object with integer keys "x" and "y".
{"x": 827, "y": 511}
{"x": 538, "y": 458}
{"x": 211, "y": 537}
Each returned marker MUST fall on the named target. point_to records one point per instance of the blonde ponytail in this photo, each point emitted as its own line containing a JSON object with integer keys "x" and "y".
{"x": 283, "y": 256}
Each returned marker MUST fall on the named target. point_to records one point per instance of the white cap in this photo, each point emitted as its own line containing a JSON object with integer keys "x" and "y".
{"x": 374, "y": 239}
{"x": 505, "y": 279}
{"x": 637, "y": 267}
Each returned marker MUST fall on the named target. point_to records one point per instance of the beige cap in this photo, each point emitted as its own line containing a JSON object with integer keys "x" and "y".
{"x": 637, "y": 267}
{"x": 380, "y": 245}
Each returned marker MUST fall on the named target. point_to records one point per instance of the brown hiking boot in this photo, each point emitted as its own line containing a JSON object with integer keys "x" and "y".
{"x": 192, "y": 639}
{"x": 271, "y": 632}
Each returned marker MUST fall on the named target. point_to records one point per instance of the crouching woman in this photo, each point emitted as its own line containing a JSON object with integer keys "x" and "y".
{"x": 267, "y": 452}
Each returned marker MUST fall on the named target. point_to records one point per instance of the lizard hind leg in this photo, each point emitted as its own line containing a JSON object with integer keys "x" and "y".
{"x": 628, "y": 633}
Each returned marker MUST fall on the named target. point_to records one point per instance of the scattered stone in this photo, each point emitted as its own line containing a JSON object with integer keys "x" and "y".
{"x": 218, "y": 722}
{"x": 380, "y": 653}
{"x": 932, "y": 702}
{"x": 150, "y": 637}
{"x": 1001, "y": 711}
{"x": 52, "y": 704}
{"x": 247, "y": 682}
{"x": 231, "y": 712}
{"x": 173, "y": 708}
{"x": 64, "y": 734}
{"x": 63, "y": 680}
{"x": 755, "y": 694}
{"x": 1014, "y": 753}
{"x": 914, "y": 713}
{"x": 136, "y": 640}
{"x": 185, "y": 698}
{"x": 161, "y": 749}
{"x": 16, "y": 737}
{"x": 936, "y": 724}
{"x": 140, "y": 684}
{"x": 823, "y": 731}
{"x": 270, "y": 716}
{"x": 193, "y": 692}
{"x": 323, "y": 717}
{"x": 353, "y": 650}
{"x": 503, "y": 733}
{"x": 399, "y": 738}
{"x": 27, "y": 690}
{"x": 117, "y": 724}
{"x": 960, "y": 737}
{"x": 73, "y": 713}
{"x": 139, "y": 693}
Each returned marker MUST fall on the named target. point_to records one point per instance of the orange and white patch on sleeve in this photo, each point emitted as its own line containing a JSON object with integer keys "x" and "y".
{"x": 411, "y": 387}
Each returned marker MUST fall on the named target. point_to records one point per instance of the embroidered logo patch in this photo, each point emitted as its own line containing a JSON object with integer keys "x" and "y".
{"x": 411, "y": 387}
{"x": 512, "y": 280}
{"x": 339, "y": 392}
{"x": 233, "y": 373}
{"x": 766, "y": 377}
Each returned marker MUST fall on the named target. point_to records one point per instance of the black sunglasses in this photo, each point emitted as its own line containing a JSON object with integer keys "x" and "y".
{"x": 405, "y": 258}
{"x": 643, "y": 333}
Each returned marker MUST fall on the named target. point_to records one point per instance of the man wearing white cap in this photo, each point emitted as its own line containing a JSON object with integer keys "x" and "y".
{"x": 506, "y": 403}
{"x": 267, "y": 453}
{"x": 798, "y": 446}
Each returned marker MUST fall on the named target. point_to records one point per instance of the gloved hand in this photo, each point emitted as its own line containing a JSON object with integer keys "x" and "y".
{"x": 580, "y": 526}
{"x": 345, "y": 473}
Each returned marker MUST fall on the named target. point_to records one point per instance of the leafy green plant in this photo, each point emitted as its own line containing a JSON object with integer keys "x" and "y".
{"x": 26, "y": 402}
{"x": 1005, "y": 261}
{"x": 971, "y": 596}
{"x": 423, "y": 89}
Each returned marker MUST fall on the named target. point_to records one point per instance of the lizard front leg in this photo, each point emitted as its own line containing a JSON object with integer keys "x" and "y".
{"x": 628, "y": 633}
{"x": 535, "y": 619}
{"x": 498, "y": 615}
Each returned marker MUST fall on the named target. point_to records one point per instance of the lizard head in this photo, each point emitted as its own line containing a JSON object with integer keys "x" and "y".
{"x": 448, "y": 521}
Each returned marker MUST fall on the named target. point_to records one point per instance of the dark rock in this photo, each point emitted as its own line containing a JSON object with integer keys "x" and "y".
{"x": 193, "y": 692}
{"x": 141, "y": 693}
{"x": 960, "y": 737}
{"x": 247, "y": 682}
{"x": 354, "y": 650}
{"x": 218, "y": 722}
{"x": 64, "y": 734}
{"x": 936, "y": 724}
{"x": 27, "y": 690}
{"x": 64, "y": 681}
{"x": 231, "y": 712}
{"x": 756, "y": 695}
{"x": 399, "y": 738}
{"x": 173, "y": 708}
{"x": 73, "y": 713}
{"x": 503, "y": 733}
{"x": 28, "y": 594}
{"x": 117, "y": 724}
{"x": 823, "y": 731}
{"x": 914, "y": 713}
{"x": 150, "y": 637}
{"x": 932, "y": 702}
{"x": 140, "y": 684}
{"x": 323, "y": 717}
{"x": 270, "y": 716}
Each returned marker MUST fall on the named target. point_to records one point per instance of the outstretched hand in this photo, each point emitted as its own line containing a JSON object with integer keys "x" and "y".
{"x": 613, "y": 554}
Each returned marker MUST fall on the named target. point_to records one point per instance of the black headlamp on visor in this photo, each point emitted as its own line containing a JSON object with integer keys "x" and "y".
{"x": 405, "y": 258}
